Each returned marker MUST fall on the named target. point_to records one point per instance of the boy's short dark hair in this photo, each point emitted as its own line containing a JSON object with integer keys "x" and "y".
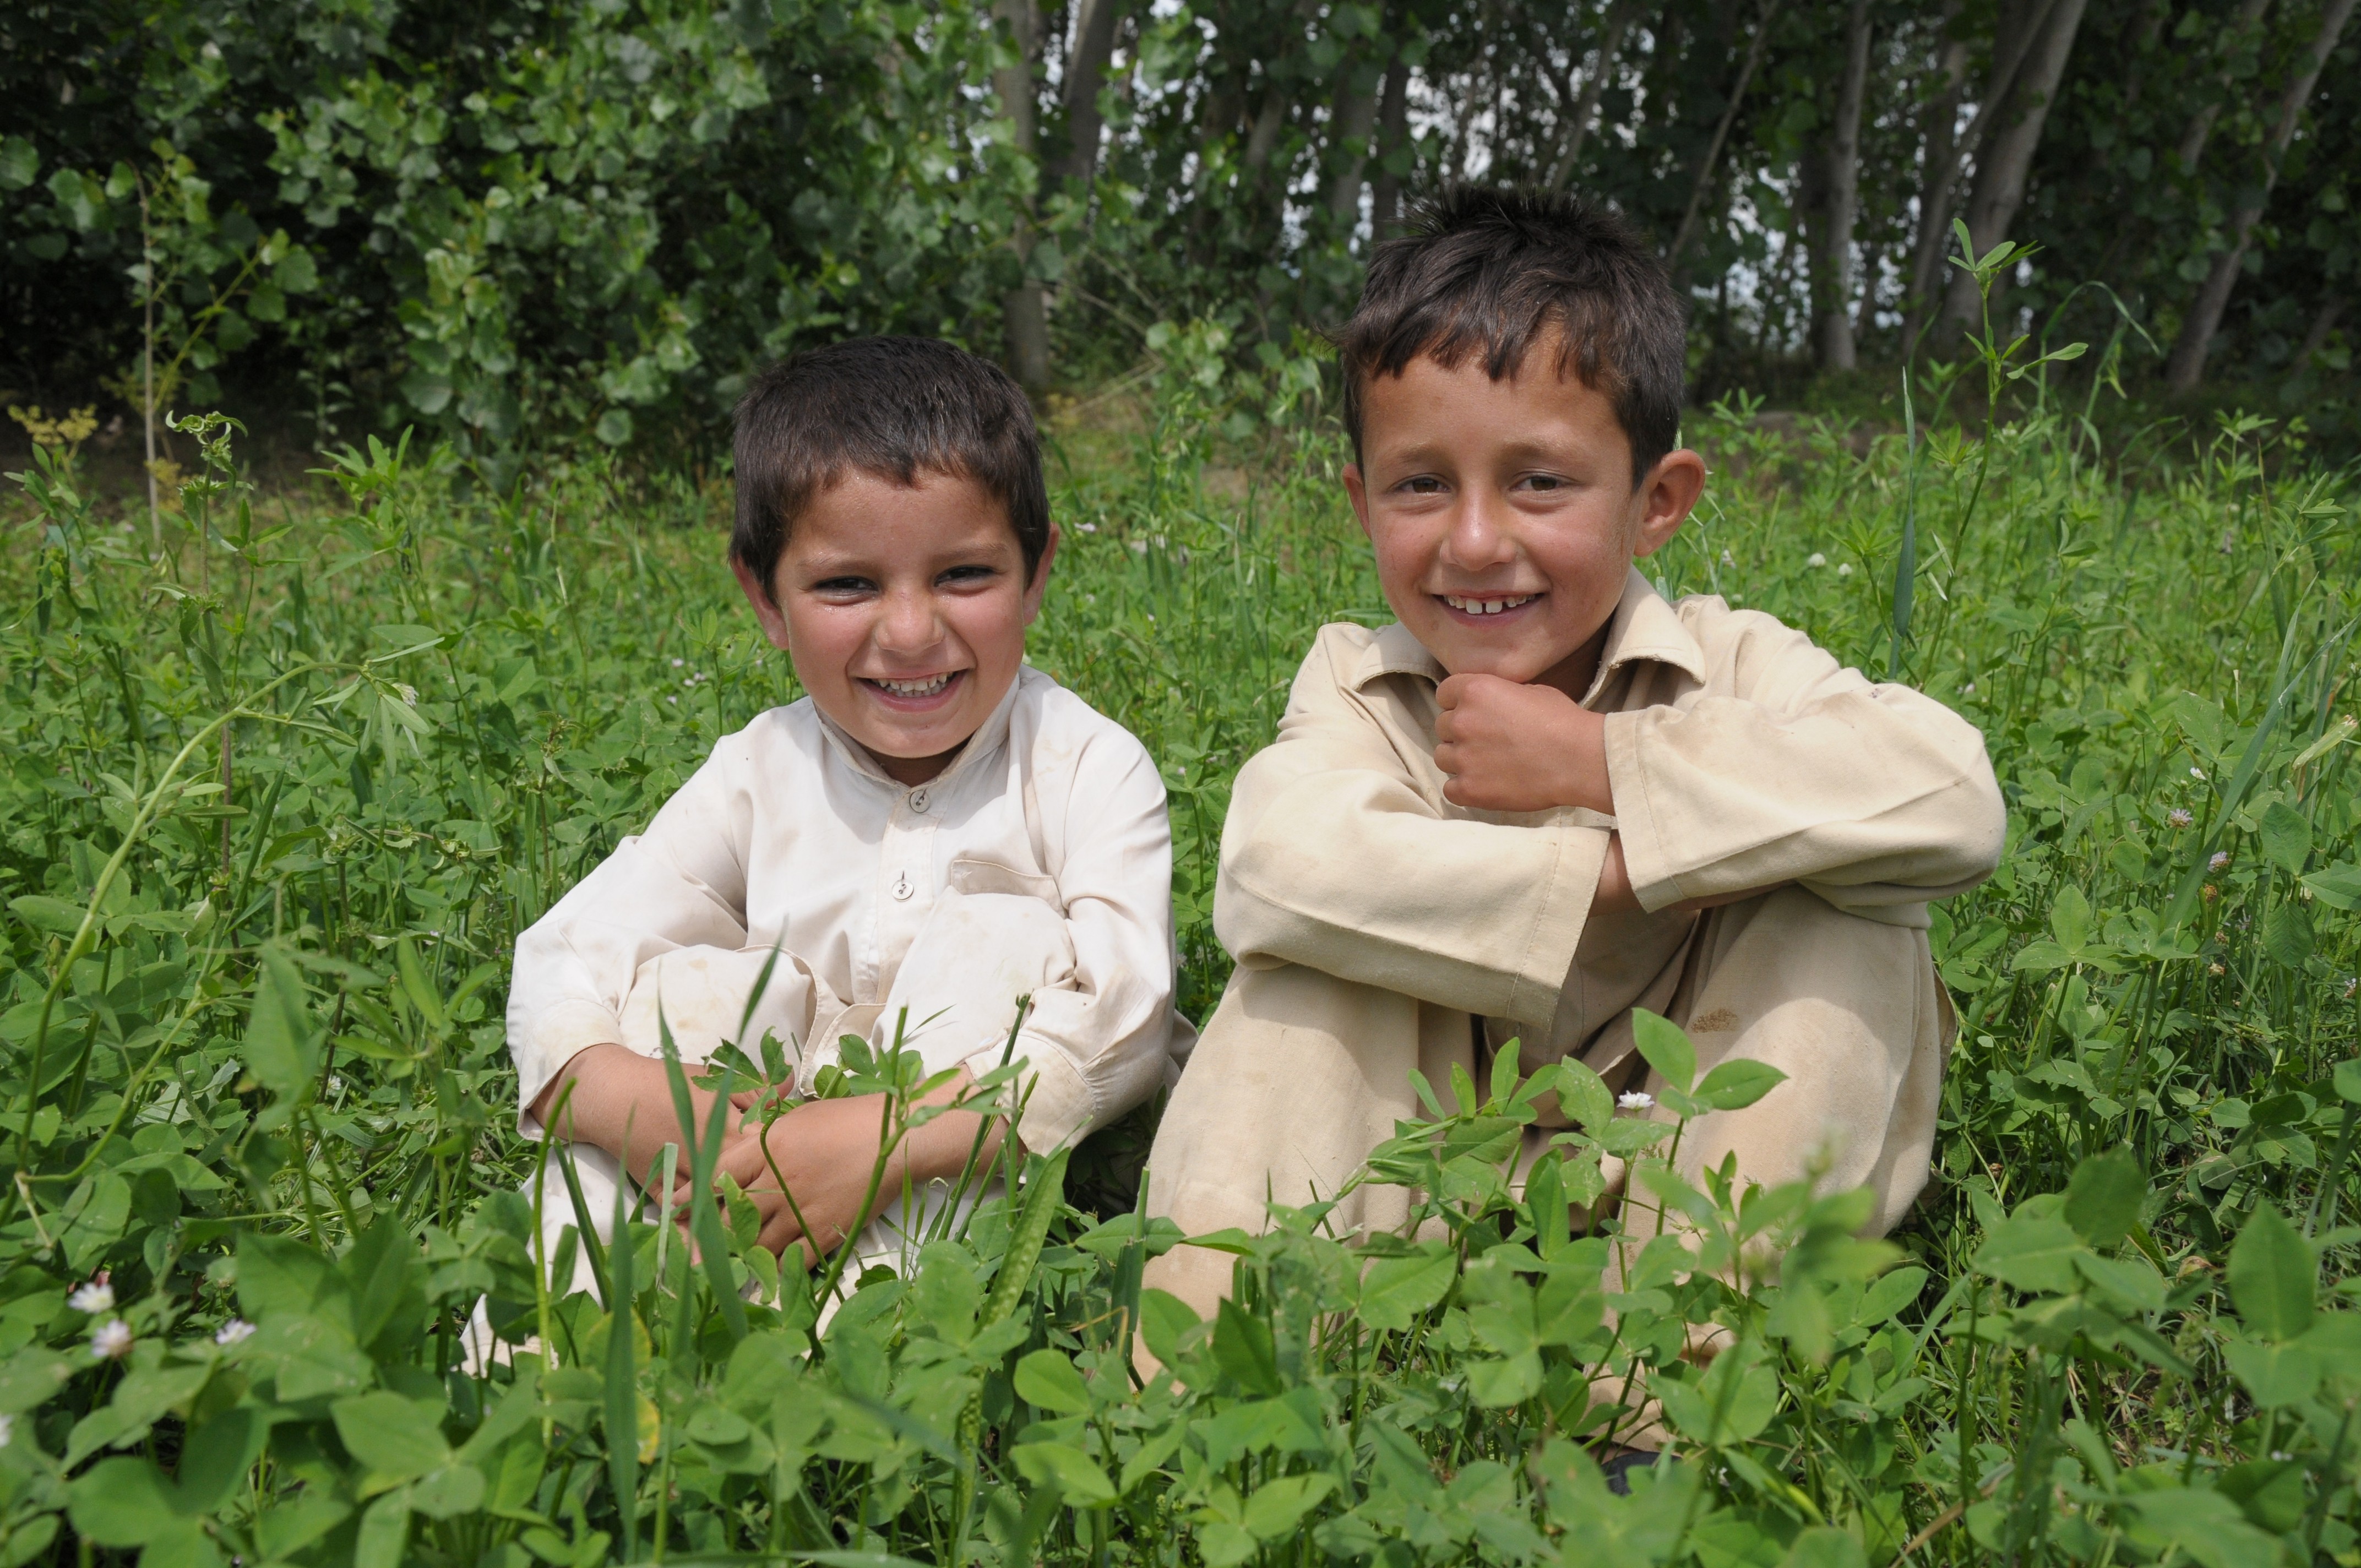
{"x": 1493, "y": 271}
{"x": 886, "y": 406}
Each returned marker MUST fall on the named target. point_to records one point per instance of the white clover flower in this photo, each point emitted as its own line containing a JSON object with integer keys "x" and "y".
{"x": 1968, "y": 689}
{"x": 2220, "y": 858}
{"x": 2178, "y": 816}
{"x": 335, "y": 1084}
{"x": 1087, "y": 527}
{"x": 672, "y": 699}
{"x": 1726, "y": 560}
{"x": 233, "y": 1331}
{"x": 2197, "y": 773}
{"x": 94, "y": 1297}
{"x": 2352, "y": 983}
{"x": 677, "y": 664}
{"x": 1816, "y": 559}
{"x": 1845, "y": 570}
{"x": 1638, "y": 1100}
{"x": 112, "y": 1342}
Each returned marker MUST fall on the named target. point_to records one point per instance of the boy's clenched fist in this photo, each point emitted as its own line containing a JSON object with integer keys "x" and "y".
{"x": 1513, "y": 747}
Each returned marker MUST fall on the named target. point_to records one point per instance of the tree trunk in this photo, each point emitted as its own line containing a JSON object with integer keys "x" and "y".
{"x": 2019, "y": 24}
{"x": 1393, "y": 132}
{"x": 2200, "y": 124}
{"x": 1703, "y": 182}
{"x": 2324, "y": 321}
{"x": 2186, "y": 366}
{"x": 1938, "y": 168}
{"x": 1024, "y": 316}
{"x": 1354, "y": 119}
{"x": 1086, "y": 71}
{"x": 1831, "y": 257}
{"x": 1268, "y": 123}
{"x": 2002, "y": 165}
{"x": 1577, "y": 124}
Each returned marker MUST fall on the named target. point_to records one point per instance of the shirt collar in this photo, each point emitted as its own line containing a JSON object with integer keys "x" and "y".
{"x": 1645, "y": 627}
{"x": 986, "y": 739}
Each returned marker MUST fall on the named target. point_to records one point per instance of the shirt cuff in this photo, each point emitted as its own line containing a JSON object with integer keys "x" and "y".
{"x": 1058, "y": 1105}
{"x": 1572, "y": 887}
{"x": 559, "y": 1035}
{"x": 1646, "y": 861}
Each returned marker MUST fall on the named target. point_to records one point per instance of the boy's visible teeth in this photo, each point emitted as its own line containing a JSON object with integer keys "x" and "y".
{"x": 928, "y": 687}
{"x": 1488, "y": 607}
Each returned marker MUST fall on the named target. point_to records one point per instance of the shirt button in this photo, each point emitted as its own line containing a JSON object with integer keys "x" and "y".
{"x": 902, "y": 888}
{"x": 918, "y": 800}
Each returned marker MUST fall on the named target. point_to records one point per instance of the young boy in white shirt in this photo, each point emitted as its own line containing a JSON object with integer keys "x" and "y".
{"x": 935, "y": 830}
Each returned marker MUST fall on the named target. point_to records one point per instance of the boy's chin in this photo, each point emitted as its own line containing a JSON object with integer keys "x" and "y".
{"x": 1471, "y": 656}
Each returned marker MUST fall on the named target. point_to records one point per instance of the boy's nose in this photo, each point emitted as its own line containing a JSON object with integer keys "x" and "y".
{"x": 1476, "y": 539}
{"x": 909, "y": 623}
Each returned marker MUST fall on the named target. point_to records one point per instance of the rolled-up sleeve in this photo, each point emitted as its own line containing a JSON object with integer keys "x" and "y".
{"x": 1098, "y": 1046}
{"x": 1798, "y": 770}
{"x": 1333, "y": 859}
{"x": 681, "y": 883}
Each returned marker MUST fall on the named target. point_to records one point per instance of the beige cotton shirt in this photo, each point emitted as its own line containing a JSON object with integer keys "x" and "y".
{"x": 1740, "y": 756}
{"x": 790, "y": 835}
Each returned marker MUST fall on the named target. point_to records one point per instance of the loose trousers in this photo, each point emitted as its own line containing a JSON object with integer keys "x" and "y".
{"x": 1299, "y": 1075}
{"x": 954, "y": 992}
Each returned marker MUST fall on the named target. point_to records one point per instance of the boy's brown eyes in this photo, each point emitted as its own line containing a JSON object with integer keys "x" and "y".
{"x": 969, "y": 576}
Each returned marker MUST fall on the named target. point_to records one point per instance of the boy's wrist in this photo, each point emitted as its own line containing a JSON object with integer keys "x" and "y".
{"x": 620, "y": 1101}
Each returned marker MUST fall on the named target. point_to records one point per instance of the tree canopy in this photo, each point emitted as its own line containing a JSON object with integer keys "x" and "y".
{"x": 523, "y": 220}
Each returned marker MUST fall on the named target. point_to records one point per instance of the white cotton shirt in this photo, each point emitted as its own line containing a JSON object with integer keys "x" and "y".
{"x": 1040, "y": 859}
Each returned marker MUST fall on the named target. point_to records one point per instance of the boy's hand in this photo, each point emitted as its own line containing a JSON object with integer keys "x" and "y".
{"x": 825, "y": 1151}
{"x": 1511, "y": 746}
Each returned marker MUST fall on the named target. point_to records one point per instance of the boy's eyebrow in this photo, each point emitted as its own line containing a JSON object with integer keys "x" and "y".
{"x": 1419, "y": 453}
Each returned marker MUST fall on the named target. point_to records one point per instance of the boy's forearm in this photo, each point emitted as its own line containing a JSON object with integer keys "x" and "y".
{"x": 619, "y": 1101}
{"x": 938, "y": 1150}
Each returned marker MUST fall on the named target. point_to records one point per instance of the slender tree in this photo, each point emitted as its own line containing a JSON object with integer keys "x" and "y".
{"x": 2003, "y": 164}
{"x": 1023, "y": 315}
{"x": 1765, "y": 18}
{"x": 1393, "y": 137}
{"x": 1840, "y": 204}
{"x": 1086, "y": 70}
{"x": 1620, "y": 18}
{"x": 2186, "y": 367}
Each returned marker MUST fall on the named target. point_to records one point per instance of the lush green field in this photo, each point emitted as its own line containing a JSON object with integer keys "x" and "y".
{"x": 277, "y": 803}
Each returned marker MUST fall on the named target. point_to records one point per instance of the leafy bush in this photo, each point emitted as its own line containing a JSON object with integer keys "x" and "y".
{"x": 277, "y": 801}
{"x": 515, "y": 221}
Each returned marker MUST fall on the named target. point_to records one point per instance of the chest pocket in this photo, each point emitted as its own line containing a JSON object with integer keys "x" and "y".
{"x": 973, "y": 876}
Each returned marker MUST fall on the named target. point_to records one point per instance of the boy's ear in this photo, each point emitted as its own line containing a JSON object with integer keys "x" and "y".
{"x": 1666, "y": 497}
{"x": 1040, "y": 585}
{"x": 775, "y": 621}
{"x": 1356, "y": 490}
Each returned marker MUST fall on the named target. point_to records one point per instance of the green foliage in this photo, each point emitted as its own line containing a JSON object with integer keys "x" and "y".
{"x": 527, "y": 222}
{"x": 555, "y": 223}
{"x": 276, "y": 801}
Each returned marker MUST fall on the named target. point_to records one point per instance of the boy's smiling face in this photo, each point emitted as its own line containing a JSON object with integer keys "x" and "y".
{"x": 903, "y": 608}
{"x": 1503, "y": 514}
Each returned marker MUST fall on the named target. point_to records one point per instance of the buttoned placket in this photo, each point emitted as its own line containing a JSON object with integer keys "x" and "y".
{"x": 906, "y": 881}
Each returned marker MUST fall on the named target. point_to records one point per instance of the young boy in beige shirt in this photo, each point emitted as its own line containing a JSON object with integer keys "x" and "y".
{"x": 1546, "y": 796}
